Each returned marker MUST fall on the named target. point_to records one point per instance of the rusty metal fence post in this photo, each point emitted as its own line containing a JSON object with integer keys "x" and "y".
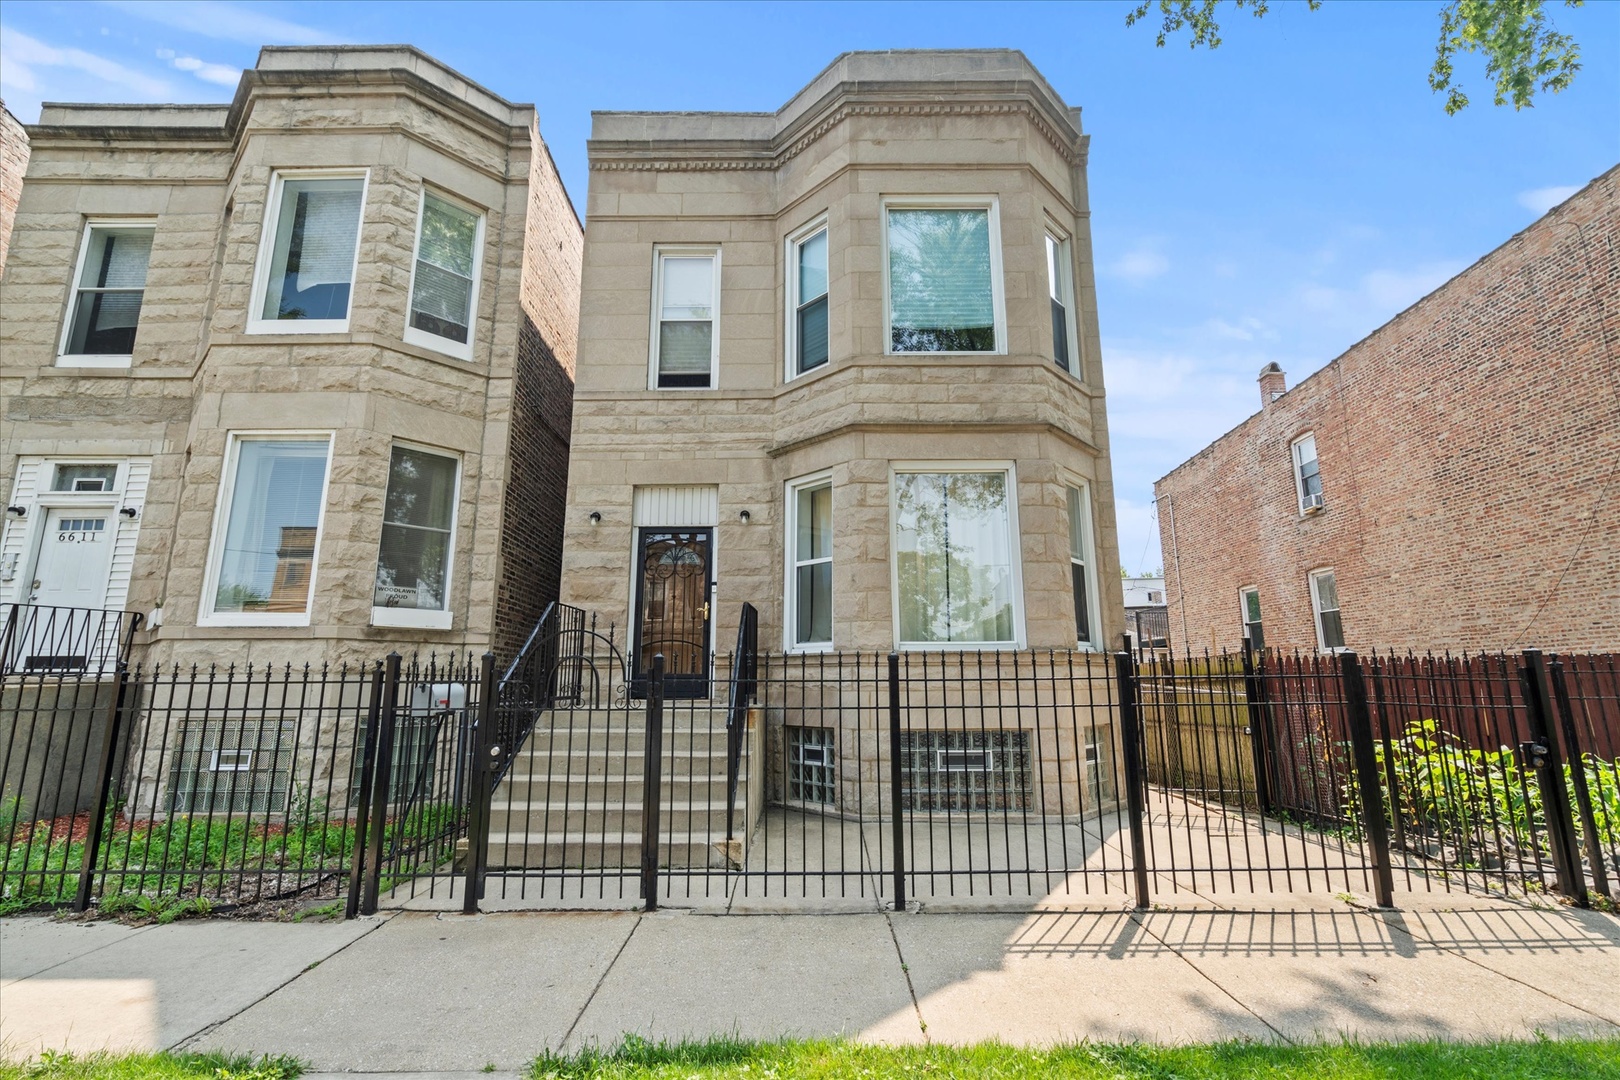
{"x": 1577, "y": 779}
{"x": 1546, "y": 758}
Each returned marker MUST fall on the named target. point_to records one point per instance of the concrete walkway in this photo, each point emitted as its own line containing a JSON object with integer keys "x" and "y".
{"x": 422, "y": 991}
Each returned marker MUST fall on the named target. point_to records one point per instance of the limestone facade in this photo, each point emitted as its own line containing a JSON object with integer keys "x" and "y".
{"x": 872, "y": 133}
{"x": 204, "y": 370}
{"x": 13, "y": 163}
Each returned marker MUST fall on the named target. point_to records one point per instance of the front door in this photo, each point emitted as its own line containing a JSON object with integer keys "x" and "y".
{"x": 75, "y": 556}
{"x": 673, "y": 591}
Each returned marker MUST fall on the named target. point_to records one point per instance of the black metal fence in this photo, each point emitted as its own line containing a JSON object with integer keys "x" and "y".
{"x": 35, "y": 639}
{"x": 237, "y": 785}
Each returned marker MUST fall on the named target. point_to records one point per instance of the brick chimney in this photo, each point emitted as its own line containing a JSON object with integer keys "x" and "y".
{"x": 1273, "y": 384}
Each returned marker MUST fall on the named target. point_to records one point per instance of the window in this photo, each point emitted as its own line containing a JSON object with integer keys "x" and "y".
{"x": 84, "y": 478}
{"x": 944, "y": 289}
{"x": 1307, "y": 476}
{"x": 686, "y": 342}
{"x": 946, "y": 771}
{"x": 1099, "y": 765}
{"x": 308, "y": 256}
{"x": 232, "y": 767}
{"x": 418, "y": 535}
{"x": 1251, "y": 618}
{"x": 267, "y": 531}
{"x": 807, "y": 290}
{"x": 108, "y": 288}
{"x": 810, "y": 571}
{"x": 444, "y": 283}
{"x": 1325, "y": 601}
{"x": 1080, "y": 580}
{"x": 955, "y": 576}
{"x": 1060, "y": 290}
{"x": 811, "y": 766}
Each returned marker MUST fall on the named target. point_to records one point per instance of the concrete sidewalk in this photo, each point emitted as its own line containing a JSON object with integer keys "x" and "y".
{"x": 419, "y": 991}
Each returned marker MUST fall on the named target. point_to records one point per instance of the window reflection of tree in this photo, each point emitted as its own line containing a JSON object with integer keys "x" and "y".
{"x": 948, "y": 589}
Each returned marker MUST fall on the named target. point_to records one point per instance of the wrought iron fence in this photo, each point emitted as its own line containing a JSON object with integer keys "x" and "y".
{"x": 38, "y": 639}
{"x": 238, "y": 784}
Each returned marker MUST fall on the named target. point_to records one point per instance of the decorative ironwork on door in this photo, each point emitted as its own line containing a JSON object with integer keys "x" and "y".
{"x": 672, "y": 610}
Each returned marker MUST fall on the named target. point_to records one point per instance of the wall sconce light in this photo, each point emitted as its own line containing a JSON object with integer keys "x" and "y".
{"x": 130, "y": 512}
{"x": 596, "y": 517}
{"x": 20, "y": 511}
{"x": 743, "y": 517}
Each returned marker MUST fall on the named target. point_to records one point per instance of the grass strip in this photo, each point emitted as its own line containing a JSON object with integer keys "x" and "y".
{"x": 62, "y": 1065}
{"x": 1537, "y": 1059}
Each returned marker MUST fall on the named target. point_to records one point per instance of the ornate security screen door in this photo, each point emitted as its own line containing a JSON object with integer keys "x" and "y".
{"x": 672, "y": 609}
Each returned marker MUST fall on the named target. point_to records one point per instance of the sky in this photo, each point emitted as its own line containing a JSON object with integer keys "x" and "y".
{"x": 1276, "y": 199}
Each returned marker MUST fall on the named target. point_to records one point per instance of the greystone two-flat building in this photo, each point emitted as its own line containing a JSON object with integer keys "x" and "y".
{"x": 841, "y": 361}
{"x": 292, "y": 376}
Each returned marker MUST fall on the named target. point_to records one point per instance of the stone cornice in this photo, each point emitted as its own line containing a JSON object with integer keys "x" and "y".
{"x": 724, "y": 156}
{"x": 933, "y": 428}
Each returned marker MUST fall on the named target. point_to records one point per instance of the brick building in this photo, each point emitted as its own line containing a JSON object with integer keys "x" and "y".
{"x": 841, "y": 361}
{"x": 1450, "y": 482}
{"x": 13, "y": 163}
{"x": 292, "y": 374}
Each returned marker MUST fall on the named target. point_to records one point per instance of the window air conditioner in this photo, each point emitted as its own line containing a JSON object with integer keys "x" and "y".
{"x": 1312, "y": 504}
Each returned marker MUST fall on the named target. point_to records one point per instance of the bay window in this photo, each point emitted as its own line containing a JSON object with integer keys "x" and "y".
{"x": 418, "y": 538}
{"x": 807, "y": 289}
{"x": 1060, "y": 293}
{"x": 444, "y": 281}
{"x": 944, "y": 279}
{"x": 810, "y": 569}
{"x": 309, "y": 254}
{"x": 1082, "y": 567}
{"x": 955, "y": 575}
{"x": 267, "y": 530}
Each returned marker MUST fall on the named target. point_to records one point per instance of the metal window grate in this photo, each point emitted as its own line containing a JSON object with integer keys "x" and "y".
{"x": 960, "y": 771}
{"x": 232, "y": 767}
{"x": 812, "y": 766}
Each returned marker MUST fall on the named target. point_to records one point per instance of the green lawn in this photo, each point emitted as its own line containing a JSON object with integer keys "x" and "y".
{"x": 102, "y": 1066}
{"x": 1539, "y": 1060}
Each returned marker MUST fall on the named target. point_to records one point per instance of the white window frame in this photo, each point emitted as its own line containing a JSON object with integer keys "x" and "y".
{"x": 1065, "y": 286}
{"x": 96, "y": 360}
{"x": 677, "y": 251}
{"x": 413, "y": 336}
{"x": 1015, "y": 546}
{"x": 206, "y": 616}
{"x": 791, "y": 298}
{"x": 420, "y": 618}
{"x": 1316, "y": 608}
{"x": 256, "y": 323}
{"x": 998, "y": 292}
{"x": 1093, "y": 590}
{"x": 1243, "y": 611}
{"x": 1299, "y": 467}
{"x": 791, "y": 564}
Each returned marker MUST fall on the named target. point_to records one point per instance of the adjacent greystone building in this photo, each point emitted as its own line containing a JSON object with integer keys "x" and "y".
{"x": 841, "y": 361}
{"x": 13, "y": 163}
{"x": 292, "y": 376}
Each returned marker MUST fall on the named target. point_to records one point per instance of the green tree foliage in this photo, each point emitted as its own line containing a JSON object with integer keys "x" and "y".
{"x": 1523, "y": 53}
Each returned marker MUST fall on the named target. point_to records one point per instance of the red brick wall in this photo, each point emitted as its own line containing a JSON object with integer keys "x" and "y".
{"x": 542, "y": 409}
{"x": 1470, "y": 457}
{"x": 13, "y": 163}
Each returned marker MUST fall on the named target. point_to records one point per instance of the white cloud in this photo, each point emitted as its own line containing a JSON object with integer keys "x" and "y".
{"x": 1543, "y": 199}
{"x": 223, "y": 74}
{"x": 225, "y": 22}
{"x": 24, "y": 56}
{"x": 1245, "y": 329}
{"x": 1380, "y": 293}
{"x": 1142, "y": 264}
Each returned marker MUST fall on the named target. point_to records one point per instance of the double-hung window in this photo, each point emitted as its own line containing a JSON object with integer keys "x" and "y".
{"x": 1325, "y": 602}
{"x": 810, "y": 569}
{"x": 108, "y": 288}
{"x": 686, "y": 317}
{"x": 418, "y": 539}
{"x": 1081, "y": 567}
{"x": 1252, "y": 631}
{"x": 1060, "y": 291}
{"x": 309, "y": 254}
{"x": 444, "y": 281}
{"x": 267, "y": 530}
{"x": 944, "y": 278}
{"x": 807, "y": 301}
{"x": 955, "y": 569}
{"x": 1307, "y": 474}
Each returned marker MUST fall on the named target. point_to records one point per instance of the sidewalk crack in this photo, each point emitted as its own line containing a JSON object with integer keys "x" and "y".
{"x": 1136, "y": 918}
{"x": 562, "y": 1043}
{"x": 905, "y": 969}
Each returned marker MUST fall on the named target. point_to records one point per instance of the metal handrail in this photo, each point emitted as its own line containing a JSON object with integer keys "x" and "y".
{"x": 41, "y": 639}
{"x": 744, "y": 690}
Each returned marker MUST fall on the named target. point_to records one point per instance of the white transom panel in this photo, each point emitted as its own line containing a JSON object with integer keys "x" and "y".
{"x": 669, "y": 505}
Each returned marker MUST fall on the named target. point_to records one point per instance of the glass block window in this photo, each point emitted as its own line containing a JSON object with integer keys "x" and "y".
{"x": 811, "y": 767}
{"x": 232, "y": 767}
{"x": 962, "y": 771}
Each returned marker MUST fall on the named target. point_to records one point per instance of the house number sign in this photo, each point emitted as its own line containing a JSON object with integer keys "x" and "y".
{"x": 80, "y": 530}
